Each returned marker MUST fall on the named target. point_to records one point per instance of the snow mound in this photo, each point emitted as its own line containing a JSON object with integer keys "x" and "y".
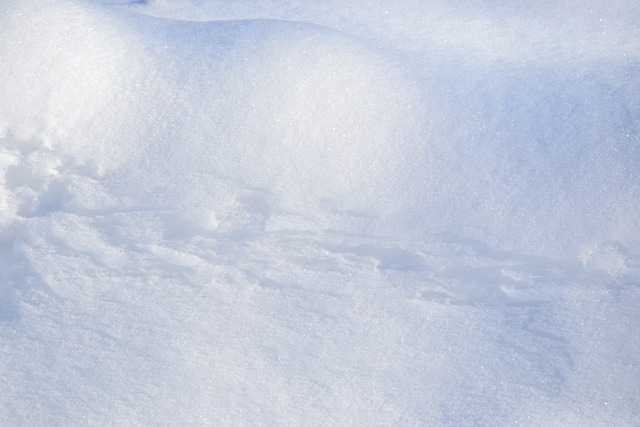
{"x": 304, "y": 113}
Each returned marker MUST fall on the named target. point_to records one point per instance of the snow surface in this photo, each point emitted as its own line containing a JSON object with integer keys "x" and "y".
{"x": 319, "y": 213}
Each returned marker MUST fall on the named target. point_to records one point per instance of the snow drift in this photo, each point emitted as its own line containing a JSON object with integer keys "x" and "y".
{"x": 305, "y": 215}
{"x": 319, "y": 120}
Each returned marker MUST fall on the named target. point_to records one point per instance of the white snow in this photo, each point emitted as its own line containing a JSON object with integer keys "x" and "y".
{"x": 319, "y": 213}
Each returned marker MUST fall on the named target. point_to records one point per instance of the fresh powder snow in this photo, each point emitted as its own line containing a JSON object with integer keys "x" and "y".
{"x": 319, "y": 213}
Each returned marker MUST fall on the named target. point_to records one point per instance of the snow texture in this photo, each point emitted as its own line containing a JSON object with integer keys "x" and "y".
{"x": 319, "y": 213}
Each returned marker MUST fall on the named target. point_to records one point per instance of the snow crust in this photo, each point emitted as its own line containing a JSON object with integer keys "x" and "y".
{"x": 405, "y": 213}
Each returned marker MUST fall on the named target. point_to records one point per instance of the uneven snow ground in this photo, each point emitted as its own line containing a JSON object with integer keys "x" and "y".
{"x": 406, "y": 213}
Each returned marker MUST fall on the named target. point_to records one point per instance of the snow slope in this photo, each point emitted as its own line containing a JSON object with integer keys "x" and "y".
{"x": 405, "y": 213}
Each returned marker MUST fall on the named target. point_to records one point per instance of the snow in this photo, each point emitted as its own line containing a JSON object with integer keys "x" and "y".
{"x": 312, "y": 213}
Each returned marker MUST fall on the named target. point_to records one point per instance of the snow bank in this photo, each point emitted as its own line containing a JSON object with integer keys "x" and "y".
{"x": 282, "y": 213}
{"x": 317, "y": 119}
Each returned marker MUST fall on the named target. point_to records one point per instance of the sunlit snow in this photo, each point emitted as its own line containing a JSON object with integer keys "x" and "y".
{"x": 319, "y": 213}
